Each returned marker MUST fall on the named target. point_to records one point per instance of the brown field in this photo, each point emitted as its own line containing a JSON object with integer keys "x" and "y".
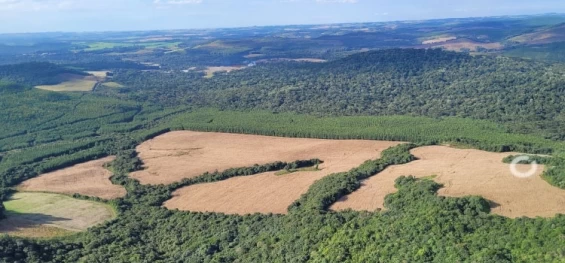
{"x": 210, "y": 71}
{"x": 50, "y": 215}
{"x": 89, "y": 178}
{"x": 185, "y": 154}
{"x": 178, "y": 155}
{"x": 465, "y": 172}
{"x": 439, "y": 39}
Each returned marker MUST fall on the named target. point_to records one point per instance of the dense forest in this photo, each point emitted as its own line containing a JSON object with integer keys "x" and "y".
{"x": 35, "y": 73}
{"x": 421, "y": 96}
{"x": 525, "y": 95}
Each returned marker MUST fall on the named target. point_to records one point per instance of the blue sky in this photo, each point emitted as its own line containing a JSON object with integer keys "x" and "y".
{"x": 102, "y": 15}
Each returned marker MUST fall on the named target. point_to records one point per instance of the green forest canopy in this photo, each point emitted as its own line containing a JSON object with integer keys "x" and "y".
{"x": 407, "y": 90}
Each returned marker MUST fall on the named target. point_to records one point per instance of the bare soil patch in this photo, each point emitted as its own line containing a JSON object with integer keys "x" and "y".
{"x": 48, "y": 215}
{"x": 465, "y": 172}
{"x": 89, "y": 178}
{"x": 177, "y": 155}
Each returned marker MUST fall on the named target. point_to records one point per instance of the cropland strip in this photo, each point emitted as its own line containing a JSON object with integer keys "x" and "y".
{"x": 185, "y": 154}
{"x": 90, "y": 178}
{"x": 465, "y": 172}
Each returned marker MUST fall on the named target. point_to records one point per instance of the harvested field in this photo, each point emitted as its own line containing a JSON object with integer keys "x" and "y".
{"x": 48, "y": 215}
{"x": 177, "y": 155}
{"x": 185, "y": 154}
{"x": 89, "y": 178}
{"x": 261, "y": 193}
{"x": 465, "y": 172}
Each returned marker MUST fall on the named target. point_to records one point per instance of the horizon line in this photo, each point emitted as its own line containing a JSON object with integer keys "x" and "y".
{"x": 278, "y": 25}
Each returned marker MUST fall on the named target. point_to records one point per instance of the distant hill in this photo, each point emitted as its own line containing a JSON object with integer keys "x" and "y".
{"x": 424, "y": 82}
{"x": 37, "y": 73}
{"x": 542, "y": 36}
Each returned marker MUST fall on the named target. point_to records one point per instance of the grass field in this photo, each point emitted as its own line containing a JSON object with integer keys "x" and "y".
{"x": 47, "y": 215}
{"x": 465, "y": 172}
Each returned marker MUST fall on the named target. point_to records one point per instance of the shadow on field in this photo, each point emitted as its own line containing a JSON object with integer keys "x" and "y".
{"x": 493, "y": 204}
{"x": 17, "y": 222}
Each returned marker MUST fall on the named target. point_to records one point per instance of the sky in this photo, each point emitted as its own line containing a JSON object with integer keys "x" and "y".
{"x": 17, "y": 16}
